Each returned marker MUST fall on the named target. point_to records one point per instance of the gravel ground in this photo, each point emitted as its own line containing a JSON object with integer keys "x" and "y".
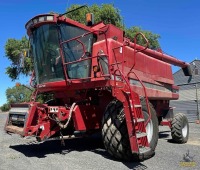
{"x": 89, "y": 154}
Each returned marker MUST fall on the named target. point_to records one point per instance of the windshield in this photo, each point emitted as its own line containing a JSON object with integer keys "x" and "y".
{"x": 45, "y": 47}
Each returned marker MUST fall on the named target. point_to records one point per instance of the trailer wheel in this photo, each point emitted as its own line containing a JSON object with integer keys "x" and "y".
{"x": 115, "y": 133}
{"x": 180, "y": 128}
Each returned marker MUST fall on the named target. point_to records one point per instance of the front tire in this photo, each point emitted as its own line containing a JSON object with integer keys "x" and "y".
{"x": 115, "y": 133}
{"x": 180, "y": 128}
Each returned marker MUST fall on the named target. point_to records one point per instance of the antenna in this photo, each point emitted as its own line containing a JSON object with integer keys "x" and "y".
{"x": 83, "y": 6}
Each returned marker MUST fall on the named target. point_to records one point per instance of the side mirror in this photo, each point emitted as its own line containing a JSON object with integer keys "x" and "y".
{"x": 25, "y": 53}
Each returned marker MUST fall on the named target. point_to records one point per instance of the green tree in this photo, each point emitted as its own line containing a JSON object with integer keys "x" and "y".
{"x": 18, "y": 94}
{"x": 109, "y": 14}
{"x": 106, "y": 13}
{"x": 14, "y": 49}
{"x": 5, "y": 107}
{"x": 22, "y": 93}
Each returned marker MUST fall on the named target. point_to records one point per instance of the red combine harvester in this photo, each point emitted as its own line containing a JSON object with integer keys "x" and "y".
{"x": 100, "y": 82}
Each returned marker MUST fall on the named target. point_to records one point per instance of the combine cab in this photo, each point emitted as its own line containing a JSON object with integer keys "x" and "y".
{"x": 100, "y": 81}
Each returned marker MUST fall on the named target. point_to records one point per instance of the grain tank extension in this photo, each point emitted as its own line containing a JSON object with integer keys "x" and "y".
{"x": 100, "y": 82}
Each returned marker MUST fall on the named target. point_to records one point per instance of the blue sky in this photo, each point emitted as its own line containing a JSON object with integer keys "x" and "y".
{"x": 176, "y": 21}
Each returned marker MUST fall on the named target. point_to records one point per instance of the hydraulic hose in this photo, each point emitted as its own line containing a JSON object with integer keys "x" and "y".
{"x": 64, "y": 126}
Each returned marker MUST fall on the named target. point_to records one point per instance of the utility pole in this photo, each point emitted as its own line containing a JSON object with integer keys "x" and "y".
{"x": 196, "y": 88}
{"x": 197, "y": 100}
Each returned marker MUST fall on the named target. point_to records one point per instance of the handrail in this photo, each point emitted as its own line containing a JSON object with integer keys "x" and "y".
{"x": 81, "y": 58}
{"x": 120, "y": 75}
{"x": 129, "y": 88}
{"x": 145, "y": 93}
{"x": 34, "y": 95}
{"x": 62, "y": 55}
{"x": 127, "y": 43}
{"x": 135, "y": 41}
{"x": 77, "y": 37}
{"x": 135, "y": 50}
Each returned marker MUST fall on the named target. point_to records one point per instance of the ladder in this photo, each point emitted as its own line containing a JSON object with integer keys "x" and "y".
{"x": 137, "y": 128}
{"x": 135, "y": 121}
{"x": 134, "y": 117}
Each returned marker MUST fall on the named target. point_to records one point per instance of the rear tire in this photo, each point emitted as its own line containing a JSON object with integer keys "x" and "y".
{"x": 180, "y": 128}
{"x": 115, "y": 133}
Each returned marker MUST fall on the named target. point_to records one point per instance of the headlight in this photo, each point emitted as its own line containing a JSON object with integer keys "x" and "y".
{"x": 38, "y": 19}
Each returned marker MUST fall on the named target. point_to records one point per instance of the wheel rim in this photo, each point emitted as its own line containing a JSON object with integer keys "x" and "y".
{"x": 185, "y": 130}
{"x": 149, "y": 128}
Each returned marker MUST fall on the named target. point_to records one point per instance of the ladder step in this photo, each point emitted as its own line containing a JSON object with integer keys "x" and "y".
{"x": 140, "y": 135}
{"x": 137, "y": 106}
{"x": 143, "y": 150}
{"x": 139, "y": 120}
